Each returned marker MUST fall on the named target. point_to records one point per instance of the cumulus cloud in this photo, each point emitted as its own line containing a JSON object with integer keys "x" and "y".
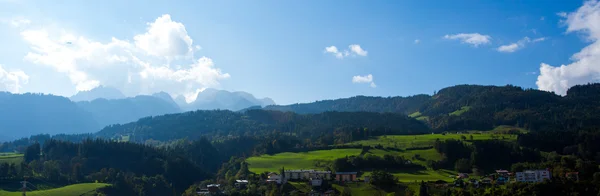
{"x": 356, "y": 49}
{"x": 140, "y": 67}
{"x": 11, "y": 81}
{"x": 518, "y": 45}
{"x": 585, "y": 67}
{"x": 474, "y": 39}
{"x": 165, "y": 38}
{"x": 364, "y": 79}
{"x": 353, "y": 50}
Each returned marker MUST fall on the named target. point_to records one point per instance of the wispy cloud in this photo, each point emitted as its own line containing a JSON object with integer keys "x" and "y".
{"x": 512, "y": 47}
{"x": 474, "y": 39}
{"x": 364, "y": 79}
{"x": 353, "y": 50}
{"x": 417, "y": 41}
{"x": 15, "y": 21}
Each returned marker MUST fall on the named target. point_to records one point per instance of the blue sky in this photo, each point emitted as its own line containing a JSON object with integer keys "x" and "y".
{"x": 277, "y": 49}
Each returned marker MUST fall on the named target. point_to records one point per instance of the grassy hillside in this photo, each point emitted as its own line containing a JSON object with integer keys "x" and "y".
{"x": 320, "y": 159}
{"x": 418, "y": 141}
{"x": 11, "y": 158}
{"x": 71, "y": 190}
{"x": 304, "y": 160}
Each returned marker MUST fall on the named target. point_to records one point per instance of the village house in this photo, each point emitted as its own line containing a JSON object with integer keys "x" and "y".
{"x": 345, "y": 176}
{"x": 533, "y": 176}
{"x": 211, "y": 189}
{"x": 306, "y": 174}
{"x": 275, "y": 178}
{"x": 573, "y": 176}
{"x": 241, "y": 184}
{"x": 502, "y": 172}
{"x": 316, "y": 181}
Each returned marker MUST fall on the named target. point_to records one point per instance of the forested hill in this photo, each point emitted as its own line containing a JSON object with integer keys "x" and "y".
{"x": 22, "y": 115}
{"x": 468, "y": 107}
{"x": 224, "y": 123}
{"x": 405, "y": 105}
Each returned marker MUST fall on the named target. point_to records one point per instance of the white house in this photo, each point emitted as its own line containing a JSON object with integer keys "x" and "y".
{"x": 306, "y": 174}
{"x": 241, "y": 183}
{"x": 273, "y": 177}
{"x": 533, "y": 176}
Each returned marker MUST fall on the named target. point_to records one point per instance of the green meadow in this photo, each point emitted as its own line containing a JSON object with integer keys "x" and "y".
{"x": 302, "y": 160}
{"x": 426, "y": 140}
{"x": 71, "y": 190}
{"x": 11, "y": 158}
{"x": 321, "y": 158}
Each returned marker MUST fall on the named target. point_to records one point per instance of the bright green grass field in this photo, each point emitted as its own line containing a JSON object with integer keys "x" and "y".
{"x": 422, "y": 175}
{"x": 11, "y": 158}
{"x": 304, "y": 160}
{"x": 71, "y": 190}
{"x": 428, "y": 154}
{"x": 411, "y": 141}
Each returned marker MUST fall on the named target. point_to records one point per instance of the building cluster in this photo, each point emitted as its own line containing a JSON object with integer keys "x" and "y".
{"x": 504, "y": 177}
{"x": 314, "y": 177}
{"x": 533, "y": 176}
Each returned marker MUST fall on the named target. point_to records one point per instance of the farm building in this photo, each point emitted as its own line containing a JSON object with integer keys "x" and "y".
{"x": 345, "y": 176}
{"x": 533, "y": 175}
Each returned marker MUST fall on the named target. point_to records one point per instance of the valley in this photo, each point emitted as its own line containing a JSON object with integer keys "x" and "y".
{"x": 401, "y": 145}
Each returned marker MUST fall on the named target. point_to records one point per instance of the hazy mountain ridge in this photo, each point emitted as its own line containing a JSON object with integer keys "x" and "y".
{"x": 118, "y": 111}
{"x": 211, "y": 99}
{"x": 22, "y": 115}
{"x": 96, "y": 93}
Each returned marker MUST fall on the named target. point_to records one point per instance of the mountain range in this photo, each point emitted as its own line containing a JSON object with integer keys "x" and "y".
{"x": 460, "y": 107}
{"x": 89, "y": 111}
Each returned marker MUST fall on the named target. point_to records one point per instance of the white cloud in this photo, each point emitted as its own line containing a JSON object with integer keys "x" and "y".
{"x": 15, "y": 21}
{"x": 12, "y": 80}
{"x": 518, "y": 45}
{"x": 354, "y": 49}
{"x": 508, "y": 48}
{"x": 585, "y": 67}
{"x": 475, "y": 39}
{"x": 417, "y": 41}
{"x": 364, "y": 79}
{"x": 333, "y": 50}
{"x": 562, "y": 14}
{"x": 140, "y": 67}
{"x": 539, "y": 39}
{"x": 165, "y": 38}
{"x": 19, "y": 22}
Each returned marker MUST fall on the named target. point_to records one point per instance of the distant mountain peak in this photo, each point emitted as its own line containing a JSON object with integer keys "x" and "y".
{"x": 211, "y": 98}
{"x": 96, "y": 93}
